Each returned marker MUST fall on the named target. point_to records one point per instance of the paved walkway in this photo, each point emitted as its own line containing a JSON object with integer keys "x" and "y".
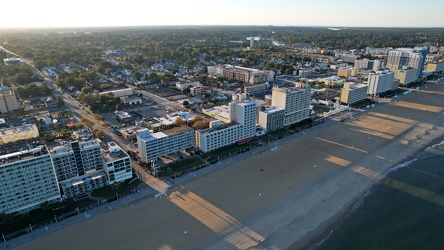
{"x": 141, "y": 194}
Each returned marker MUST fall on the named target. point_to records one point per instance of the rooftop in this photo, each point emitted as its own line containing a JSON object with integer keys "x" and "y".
{"x": 272, "y": 109}
{"x": 82, "y": 179}
{"x": 20, "y": 129}
{"x": 112, "y": 152}
{"x": 25, "y": 154}
{"x": 147, "y": 135}
{"x": 221, "y": 127}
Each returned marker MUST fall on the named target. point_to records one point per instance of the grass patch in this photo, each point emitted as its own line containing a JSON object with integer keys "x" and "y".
{"x": 180, "y": 166}
{"x": 110, "y": 191}
{"x": 320, "y": 108}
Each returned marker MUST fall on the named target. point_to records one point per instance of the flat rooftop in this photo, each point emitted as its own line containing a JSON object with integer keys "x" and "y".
{"x": 112, "y": 152}
{"x": 82, "y": 179}
{"x": 169, "y": 132}
{"x": 23, "y": 154}
{"x": 221, "y": 127}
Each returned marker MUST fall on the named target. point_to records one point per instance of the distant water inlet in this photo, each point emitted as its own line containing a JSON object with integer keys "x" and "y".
{"x": 234, "y": 232}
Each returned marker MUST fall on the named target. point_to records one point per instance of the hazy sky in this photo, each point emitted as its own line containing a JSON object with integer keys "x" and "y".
{"x": 92, "y": 13}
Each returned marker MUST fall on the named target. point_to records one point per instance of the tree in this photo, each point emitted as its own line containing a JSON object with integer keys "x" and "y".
{"x": 108, "y": 71}
{"x": 179, "y": 122}
{"x": 201, "y": 124}
{"x": 186, "y": 91}
{"x": 197, "y": 118}
{"x": 60, "y": 102}
{"x": 22, "y": 78}
{"x": 98, "y": 117}
{"x": 186, "y": 103}
{"x": 80, "y": 126}
{"x": 98, "y": 132}
{"x": 289, "y": 71}
{"x": 86, "y": 90}
{"x": 87, "y": 122}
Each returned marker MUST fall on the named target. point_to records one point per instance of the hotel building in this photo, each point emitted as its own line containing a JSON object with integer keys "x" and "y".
{"x": 27, "y": 179}
{"x": 241, "y": 124}
{"x": 380, "y": 81}
{"x": 295, "y": 102}
{"x": 353, "y": 92}
{"x": 78, "y": 166}
{"x": 117, "y": 163}
{"x": 153, "y": 145}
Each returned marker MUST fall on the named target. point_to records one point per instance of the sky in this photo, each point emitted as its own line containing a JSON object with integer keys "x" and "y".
{"x": 331, "y": 13}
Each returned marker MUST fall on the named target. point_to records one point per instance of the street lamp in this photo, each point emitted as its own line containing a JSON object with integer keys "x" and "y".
{"x": 55, "y": 218}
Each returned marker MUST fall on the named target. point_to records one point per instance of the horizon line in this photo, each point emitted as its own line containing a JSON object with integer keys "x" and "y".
{"x": 217, "y": 25}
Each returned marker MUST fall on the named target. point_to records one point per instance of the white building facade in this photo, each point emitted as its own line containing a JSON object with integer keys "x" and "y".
{"x": 380, "y": 81}
{"x": 241, "y": 125}
{"x": 27, "y": 179}
{"x": 153, "y": 145}
{"x": 117, "y": 164}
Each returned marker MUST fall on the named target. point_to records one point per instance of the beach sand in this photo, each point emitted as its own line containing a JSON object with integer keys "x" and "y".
{"x": 282, "y": 199}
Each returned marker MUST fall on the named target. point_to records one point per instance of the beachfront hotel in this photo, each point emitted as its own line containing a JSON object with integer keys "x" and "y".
{"x": 295, "y": 102}
{"x": 27, "y": 179}
{"x": 239, "y": 125}
{"x": 353, "y": 92}
{"x": 117, "y": 163}
{"x": 380, "y": 81}
{"x": 271, "y": 118}
{"x": 78, "y": 166}
{"x": 407, "y": 57}
{"x": 154, "y": 145}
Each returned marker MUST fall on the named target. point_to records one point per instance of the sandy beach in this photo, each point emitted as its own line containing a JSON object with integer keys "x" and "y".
{"x": 283, "y": 199}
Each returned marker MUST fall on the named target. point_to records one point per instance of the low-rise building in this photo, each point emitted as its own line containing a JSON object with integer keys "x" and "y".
{"x": 131, "y": 100}
{"x": 346, "y": 72}
{"x": 332, "y": 81}
{"x": 119, "y": 92}
{"x": 13, "y": 61}
{"x": 256, "y": 89}
{"x": 199, "y": 90}
{"x": 8, "y": 100}
{"x": 25, "y": 132}
{"x": 123, "y": 116}
{"x": 353, "y": 92}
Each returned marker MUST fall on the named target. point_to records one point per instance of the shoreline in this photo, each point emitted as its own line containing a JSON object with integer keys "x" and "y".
{"x": 333, "y": 223}
{"x": 304, "y": 188}
{"x": 325, "y": 229}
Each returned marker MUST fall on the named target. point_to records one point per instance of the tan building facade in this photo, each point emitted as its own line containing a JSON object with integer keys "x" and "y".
{"x": 353, "y": 92}
{"x": 406, "y": 76}
{"x": 8, "y": 100}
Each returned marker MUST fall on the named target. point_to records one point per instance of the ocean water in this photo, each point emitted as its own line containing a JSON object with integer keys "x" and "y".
{"x": 405, "y": 210}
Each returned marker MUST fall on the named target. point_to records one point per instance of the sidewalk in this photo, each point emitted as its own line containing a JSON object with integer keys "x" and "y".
{"x": 141, "y": 194}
